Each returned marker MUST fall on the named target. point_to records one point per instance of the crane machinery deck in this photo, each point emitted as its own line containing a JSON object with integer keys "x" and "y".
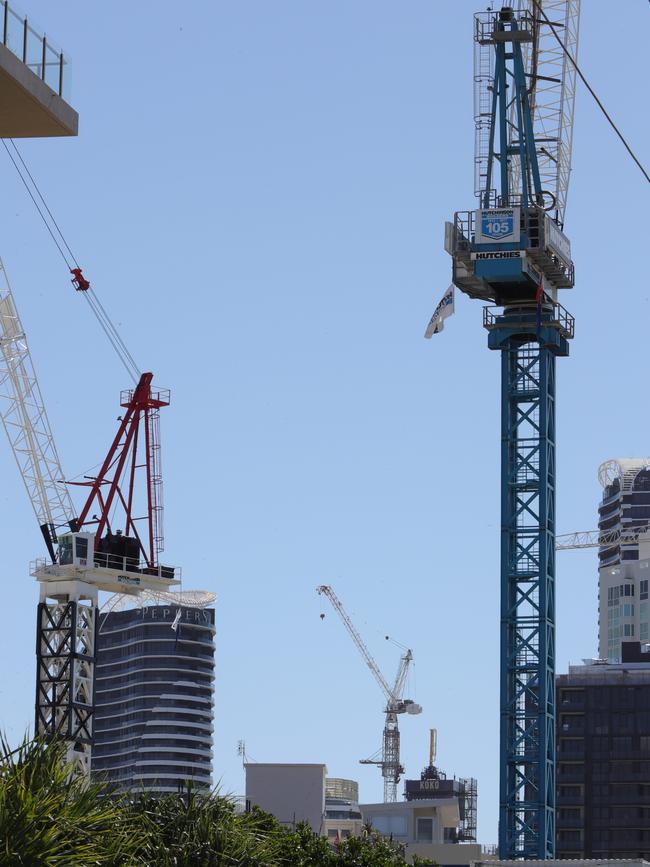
{"x": 390, "y": 764}
{"x": 512, "y": 252}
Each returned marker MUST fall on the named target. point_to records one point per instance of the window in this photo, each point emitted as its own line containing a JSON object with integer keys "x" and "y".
{"x": 81, "y": 546}
{"x": 395, "y": 824}
{"x": 645, "y": 743}
{"x": 643, "y": 631}
{"x": 643, "y": 589}
{"x": 570, "y": 791}
{"x": 65, "y": 550}
{"x": 424, "y": 829}
{"x": 628, "y": 630}
{"x": 628, "y": 611}
{"x": 332, "y": 833}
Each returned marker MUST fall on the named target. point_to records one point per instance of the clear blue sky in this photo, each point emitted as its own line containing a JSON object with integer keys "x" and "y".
{"x": 258, "y": 193}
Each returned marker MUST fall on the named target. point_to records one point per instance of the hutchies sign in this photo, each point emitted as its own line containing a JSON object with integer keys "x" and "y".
{"x": 500, "y": 225}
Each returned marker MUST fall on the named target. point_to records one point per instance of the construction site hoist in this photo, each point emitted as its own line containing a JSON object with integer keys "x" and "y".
{"x": 390, "y": 764}
{"x": 112, "y": 544}
{"x": 512, "y": 251}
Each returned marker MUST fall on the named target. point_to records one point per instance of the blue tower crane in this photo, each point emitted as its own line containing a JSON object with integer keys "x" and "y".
{"x": 512, "y": 251}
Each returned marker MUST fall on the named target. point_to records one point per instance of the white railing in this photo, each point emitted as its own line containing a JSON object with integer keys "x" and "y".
{"x": 124, "y": 565}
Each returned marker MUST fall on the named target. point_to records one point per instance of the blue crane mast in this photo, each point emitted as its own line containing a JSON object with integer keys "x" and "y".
{"x": 512, "y": 252}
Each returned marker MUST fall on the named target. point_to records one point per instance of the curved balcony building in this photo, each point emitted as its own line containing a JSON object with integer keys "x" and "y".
{"x": 154, "y": 688}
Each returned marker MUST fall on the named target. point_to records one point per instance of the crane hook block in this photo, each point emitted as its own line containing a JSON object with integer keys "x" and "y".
{"x": 78, "y": 280}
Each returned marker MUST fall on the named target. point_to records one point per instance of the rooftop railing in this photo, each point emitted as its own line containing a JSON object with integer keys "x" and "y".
{"x": 34, "y": 49}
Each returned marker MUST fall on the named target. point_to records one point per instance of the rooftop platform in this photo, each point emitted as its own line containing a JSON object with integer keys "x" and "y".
{"x": 33, "y": 81}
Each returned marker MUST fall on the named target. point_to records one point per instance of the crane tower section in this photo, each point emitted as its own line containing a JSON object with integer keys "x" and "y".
{"x": 512, "y": 251}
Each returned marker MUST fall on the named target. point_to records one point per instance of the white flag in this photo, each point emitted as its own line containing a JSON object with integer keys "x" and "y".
{"x": 444, "y": 309}
{"x": 176, "y": 620}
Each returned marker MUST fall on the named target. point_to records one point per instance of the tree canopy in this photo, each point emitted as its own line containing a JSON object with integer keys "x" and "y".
{"x": 50, "y": 817}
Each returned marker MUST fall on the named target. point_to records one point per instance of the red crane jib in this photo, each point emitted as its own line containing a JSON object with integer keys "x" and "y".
{"x": 136, "y": 446}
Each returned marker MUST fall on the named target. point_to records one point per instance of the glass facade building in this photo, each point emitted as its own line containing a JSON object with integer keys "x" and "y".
{"x": 624, "y": 555}
{"x": 154, "y": 687}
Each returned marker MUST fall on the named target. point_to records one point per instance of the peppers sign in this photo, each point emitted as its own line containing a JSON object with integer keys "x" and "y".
{"x": 497, "y": 225}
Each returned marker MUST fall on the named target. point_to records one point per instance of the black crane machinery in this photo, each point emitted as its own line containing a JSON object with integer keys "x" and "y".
{"x": 389, "y": 762}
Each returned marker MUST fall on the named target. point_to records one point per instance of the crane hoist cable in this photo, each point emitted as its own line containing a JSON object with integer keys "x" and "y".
{"x": 80, "y": 283}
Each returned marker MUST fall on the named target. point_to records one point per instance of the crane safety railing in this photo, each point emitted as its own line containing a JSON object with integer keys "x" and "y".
{"x": 553, "y": 315}
{"x": 34, "y": 49}
{"x": 129, "y": 566}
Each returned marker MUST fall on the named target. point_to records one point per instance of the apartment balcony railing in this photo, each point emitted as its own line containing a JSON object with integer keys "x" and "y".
{"x": 34, "y": 49}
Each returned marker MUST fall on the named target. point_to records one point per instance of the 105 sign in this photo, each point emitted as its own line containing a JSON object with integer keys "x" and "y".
{"x": 497, "y": 224}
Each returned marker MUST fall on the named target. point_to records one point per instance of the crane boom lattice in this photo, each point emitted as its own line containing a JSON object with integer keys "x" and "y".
{"x": 26, "y": 423}
{"x": 325, "y": 590}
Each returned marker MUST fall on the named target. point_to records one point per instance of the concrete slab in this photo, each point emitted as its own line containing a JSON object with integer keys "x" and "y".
{"x": 28, "y": 107}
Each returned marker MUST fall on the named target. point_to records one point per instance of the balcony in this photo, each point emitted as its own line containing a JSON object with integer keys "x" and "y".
{"x": 34, "y": 79}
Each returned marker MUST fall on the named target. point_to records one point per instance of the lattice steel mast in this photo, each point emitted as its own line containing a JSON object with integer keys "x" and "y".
{"x": 512, "y": 251}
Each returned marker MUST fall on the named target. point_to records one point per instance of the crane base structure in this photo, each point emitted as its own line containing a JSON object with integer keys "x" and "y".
{"x": 527, "y": 681}
{"x": 65, "y": 670}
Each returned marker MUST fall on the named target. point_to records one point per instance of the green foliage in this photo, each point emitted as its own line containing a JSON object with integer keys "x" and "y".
{"x": 50, "y": 818}
{"x": 187, "y": 830}
{"x": 371, "y": 850}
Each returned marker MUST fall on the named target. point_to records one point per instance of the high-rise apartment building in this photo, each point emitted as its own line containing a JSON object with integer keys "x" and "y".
{"x": 154, "y": 686}
{"x": 624, "y": 555}
{"x": 603, "y": 759}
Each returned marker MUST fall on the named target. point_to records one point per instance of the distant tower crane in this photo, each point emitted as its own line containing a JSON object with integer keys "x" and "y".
{"x": 512, "y": 251}
{"x": 391, "y": 767}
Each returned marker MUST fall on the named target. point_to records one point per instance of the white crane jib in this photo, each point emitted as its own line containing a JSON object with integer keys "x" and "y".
{"x": 25, "y": 420}
{"x": 390, "y": 764}
{"x": 600, "y": 538}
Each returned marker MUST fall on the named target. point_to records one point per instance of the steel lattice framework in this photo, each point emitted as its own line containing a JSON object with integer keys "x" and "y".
{"x": 552, "y": 85}
{"x": 28, "y": 429}
{"x": 524, "y": 95}
{"x": 551, "y": 81}
{"x": 65, "y": 676}
{"x": 527, "y": 785}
